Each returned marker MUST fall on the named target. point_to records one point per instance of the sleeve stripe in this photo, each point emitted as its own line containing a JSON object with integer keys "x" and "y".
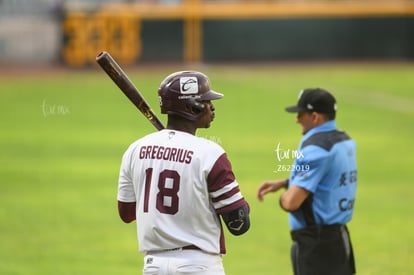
{"x": 226, "y": 195}
{"x": 234, "y": 206}
{"x": 228, "y": 201}
{"x": 224, "y": 189}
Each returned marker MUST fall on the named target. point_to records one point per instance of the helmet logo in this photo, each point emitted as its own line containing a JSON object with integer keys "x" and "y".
{"x": 188, "y": 85}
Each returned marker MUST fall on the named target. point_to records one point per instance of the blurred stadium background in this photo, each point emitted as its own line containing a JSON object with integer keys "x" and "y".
{"x": 71, "y": 32}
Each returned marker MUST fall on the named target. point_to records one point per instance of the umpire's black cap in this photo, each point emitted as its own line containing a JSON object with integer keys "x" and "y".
{"x": 314, "y": 100}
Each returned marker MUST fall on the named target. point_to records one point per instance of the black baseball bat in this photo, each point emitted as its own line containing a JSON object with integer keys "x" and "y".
{"x": 114, "y": 71}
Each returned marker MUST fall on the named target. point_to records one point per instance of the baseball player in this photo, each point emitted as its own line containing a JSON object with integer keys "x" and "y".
{"x": 320, "y": 193}
{"x": 177, "y": 185}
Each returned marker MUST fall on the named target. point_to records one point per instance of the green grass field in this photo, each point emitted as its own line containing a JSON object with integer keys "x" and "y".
{"x": 63, "y": 134}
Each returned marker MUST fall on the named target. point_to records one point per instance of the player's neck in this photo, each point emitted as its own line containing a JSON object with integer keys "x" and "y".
{"x": 183, "y": 125}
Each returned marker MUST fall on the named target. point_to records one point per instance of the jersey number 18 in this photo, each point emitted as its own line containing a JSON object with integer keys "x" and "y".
{"x": 168, "y": 187}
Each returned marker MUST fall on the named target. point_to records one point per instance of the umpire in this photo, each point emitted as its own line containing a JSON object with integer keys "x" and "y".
{"x": 320, "y": 193}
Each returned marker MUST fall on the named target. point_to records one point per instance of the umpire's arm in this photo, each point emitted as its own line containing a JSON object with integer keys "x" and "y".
{"x": 293, "y": 198}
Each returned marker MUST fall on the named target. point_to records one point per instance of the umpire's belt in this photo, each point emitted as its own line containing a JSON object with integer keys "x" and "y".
{"x": 316, "y": 231}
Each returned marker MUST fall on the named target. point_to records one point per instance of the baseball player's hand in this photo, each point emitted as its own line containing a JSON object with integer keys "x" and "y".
{"x": 270, "y": 186}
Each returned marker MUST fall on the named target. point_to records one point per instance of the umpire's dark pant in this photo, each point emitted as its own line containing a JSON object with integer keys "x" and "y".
{"x": 322, "y": 250}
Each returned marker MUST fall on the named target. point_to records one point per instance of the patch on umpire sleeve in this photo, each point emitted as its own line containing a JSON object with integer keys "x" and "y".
{"x": 149, "y": 260}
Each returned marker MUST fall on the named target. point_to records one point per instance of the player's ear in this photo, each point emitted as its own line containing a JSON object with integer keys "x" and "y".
{"x": 315, "y": 117}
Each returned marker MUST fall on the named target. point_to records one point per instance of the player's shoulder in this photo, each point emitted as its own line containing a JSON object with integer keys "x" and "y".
{"x": 209, "y": 144}
{"x": 325, "y": 140}
{"x": 178, "y": 139}
{"x": 201, "y": 146}
{"x": 192, "y": 140}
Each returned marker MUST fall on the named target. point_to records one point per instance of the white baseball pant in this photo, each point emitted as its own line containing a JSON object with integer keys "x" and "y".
{"x": 179, "y": 261}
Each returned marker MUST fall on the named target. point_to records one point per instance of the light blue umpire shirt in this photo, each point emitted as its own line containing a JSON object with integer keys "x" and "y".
{"x": 326, "y": 167}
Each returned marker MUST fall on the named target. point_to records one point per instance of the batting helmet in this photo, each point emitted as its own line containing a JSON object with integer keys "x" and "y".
{"x": 182, "y": 93}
